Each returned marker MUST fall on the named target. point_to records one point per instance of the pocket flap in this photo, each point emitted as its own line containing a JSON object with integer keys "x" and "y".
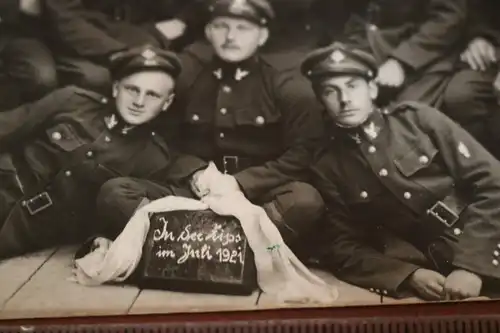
{"x": 62, "y": 135}
{"x": 420, "y": 157}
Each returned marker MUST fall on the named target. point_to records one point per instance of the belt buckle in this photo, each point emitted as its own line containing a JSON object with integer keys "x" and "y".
{"x": 38, "y": 203}
{"x": 226, "y": 160}
{"x": 443, "y": 214}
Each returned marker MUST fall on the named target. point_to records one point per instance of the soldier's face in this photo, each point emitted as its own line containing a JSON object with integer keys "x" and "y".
{"x": 140, "y": 97}
{"x": 235, "y": 39}
{"x": 348, "y": 99}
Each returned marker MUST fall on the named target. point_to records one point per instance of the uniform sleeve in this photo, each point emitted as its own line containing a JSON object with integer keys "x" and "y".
{"x": 344, "y": 252}
{"x": 474, "y": 168}
{"x": 435, "y": 37}
{"x": 76, "y": 32}
{"x": 22, "y": 121}
{"x": 302, "y": 130}
{"x": 183, "y": 167}
{"x": 10, "y": 10}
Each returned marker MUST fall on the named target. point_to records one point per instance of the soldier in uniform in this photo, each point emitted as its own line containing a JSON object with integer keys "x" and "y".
{"x": 470, "y": 94}
{"x": 253, "y": 121}
{"x": 57, "y": 153}
{"x": 416, "y": 44}
{"x": 27, "y": 68}
{"x": 413, "y": 200}
{"x": 83, "y": 33}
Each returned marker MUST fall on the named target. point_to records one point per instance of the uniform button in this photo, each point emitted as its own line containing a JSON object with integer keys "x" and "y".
{"x": 496, "y": 253}
{"x": 107, "y": 139}
{"x": 260, "y": 120}
{"x": 383, "y": 173}
{"x": 67, "y": 173}
{"x": 104, "y": 100}
{"x": 223, "y": 110}
{"x": 498, "y": 245}
{"x": 423, "y": 159}
{"x": 153, "y": 133}
{"x": 90, "y": 154}
{"x": 226, "y": 89}
{"x": 407, "y": 195}
{"x": 457, "y": 232}
{"x": 364, "y": 194}
{"x": 372, "y": 27}
{"x": 196, "y": 117}
{"x": 308, "y": 27}
{"x": 495, "y": 262}
{"x": 56, "y": 136}
{"x": 221, "y": 135}
{"x": 372, "y": 149}
{"x": 372, "y": 290}
{"x": 385, "y": 292}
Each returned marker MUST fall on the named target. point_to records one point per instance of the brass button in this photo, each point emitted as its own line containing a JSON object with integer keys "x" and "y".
{"x": 496, "y": 253}
{"x": 372, "y": 149}
{"x": 383, "y": 173}
{"x": 90, "y": 154}
{"x": 104, "y": 100}
{"x": 457, "y": 231}
{"x": 495, "y": 262}
{"x": 226, "y": 89}
{"x": 407, "y": 195}
{"x": 196, "y": 117}
{"x": 107, "y": 139}
{"x": 260, "y": 120}
{"x": 223, "y": 110}
{"x": 373, "y": 27}
{"x": 153, "y": 133}
{"x": 67, "y": 173}
{"x": 56, "y": 136}
{"x": 307, "y": 27}
{"x": 364, "y": 194}
{"x": 221, "y": 135}
{"x": 423, "y": 159}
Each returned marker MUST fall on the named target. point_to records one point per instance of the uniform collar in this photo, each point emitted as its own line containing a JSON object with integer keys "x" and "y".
{"x": 115, "y": 124}
{"x": 238, "y": 71}
{"x": 369, "y": 131}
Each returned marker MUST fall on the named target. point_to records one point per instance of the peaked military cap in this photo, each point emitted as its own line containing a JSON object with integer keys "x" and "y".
{"x": 338, "y": 59}
{"x": 257, "y": 11}
{"x": 144, "y": 58}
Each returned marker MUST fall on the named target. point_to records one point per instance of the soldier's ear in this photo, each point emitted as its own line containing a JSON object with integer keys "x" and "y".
{"x": 115, "y": 89}
{"x": 373, "y": 89}
{"x": 264, "y": 36}
{"x": 208, "y": 32}
{"x": 168, "y": 102}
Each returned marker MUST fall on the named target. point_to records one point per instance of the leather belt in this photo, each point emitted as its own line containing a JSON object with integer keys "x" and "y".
{"x": 231, "y": 164}
{"x": 447, "y": 211}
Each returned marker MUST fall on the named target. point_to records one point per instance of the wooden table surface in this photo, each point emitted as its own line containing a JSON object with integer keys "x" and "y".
{"x": 38, "y": 285}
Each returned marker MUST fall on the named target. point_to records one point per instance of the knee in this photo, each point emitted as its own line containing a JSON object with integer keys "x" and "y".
{"x": 306, "y": 201}
{"x": 460, "y": 97}
{"x": 113, "y": 192}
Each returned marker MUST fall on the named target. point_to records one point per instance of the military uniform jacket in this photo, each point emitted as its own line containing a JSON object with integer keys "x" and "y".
{"x": 379, "y": 183}
{"x": 424, "y": 35}
{"x": 70, "y": 142}
{"x": 250, "y": 111}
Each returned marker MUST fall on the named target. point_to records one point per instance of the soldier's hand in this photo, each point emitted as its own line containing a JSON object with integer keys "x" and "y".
{"x": 30, "y": 7}
{"x": 391, "y": 74}
{"x": 427, "y": 284}
{"x": 462, "y": 284}
{"x": 226, "y": 184}
{"x": 480, "y": 54}
{"x": 197, "y": 186}
{"x": 171, "y": 29}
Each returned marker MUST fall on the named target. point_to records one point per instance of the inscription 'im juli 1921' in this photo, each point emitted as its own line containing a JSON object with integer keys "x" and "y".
{"x": 214, "y": 245}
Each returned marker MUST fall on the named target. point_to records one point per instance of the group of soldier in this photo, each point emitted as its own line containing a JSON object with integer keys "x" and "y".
{"x": 367, "y": 130}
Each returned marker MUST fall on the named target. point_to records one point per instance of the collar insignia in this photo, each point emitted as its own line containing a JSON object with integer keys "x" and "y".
{"x": 111, "y": 121}
{"x": 218, "y": 73}
{"x": 240, "y": 74}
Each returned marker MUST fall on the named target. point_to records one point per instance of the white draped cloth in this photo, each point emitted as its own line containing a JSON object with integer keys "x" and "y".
{"x": 280, "y": 274}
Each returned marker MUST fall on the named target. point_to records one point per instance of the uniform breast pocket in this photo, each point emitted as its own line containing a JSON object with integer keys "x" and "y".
{"x": 64, "y": 137}
{"x": 422, "y": 163}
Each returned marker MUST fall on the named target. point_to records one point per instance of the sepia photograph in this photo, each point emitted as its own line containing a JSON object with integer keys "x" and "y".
{"x": 187, "y": 156}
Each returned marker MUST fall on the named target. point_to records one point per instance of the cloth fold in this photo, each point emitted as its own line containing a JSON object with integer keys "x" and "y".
{"x": 280, "y": 274}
